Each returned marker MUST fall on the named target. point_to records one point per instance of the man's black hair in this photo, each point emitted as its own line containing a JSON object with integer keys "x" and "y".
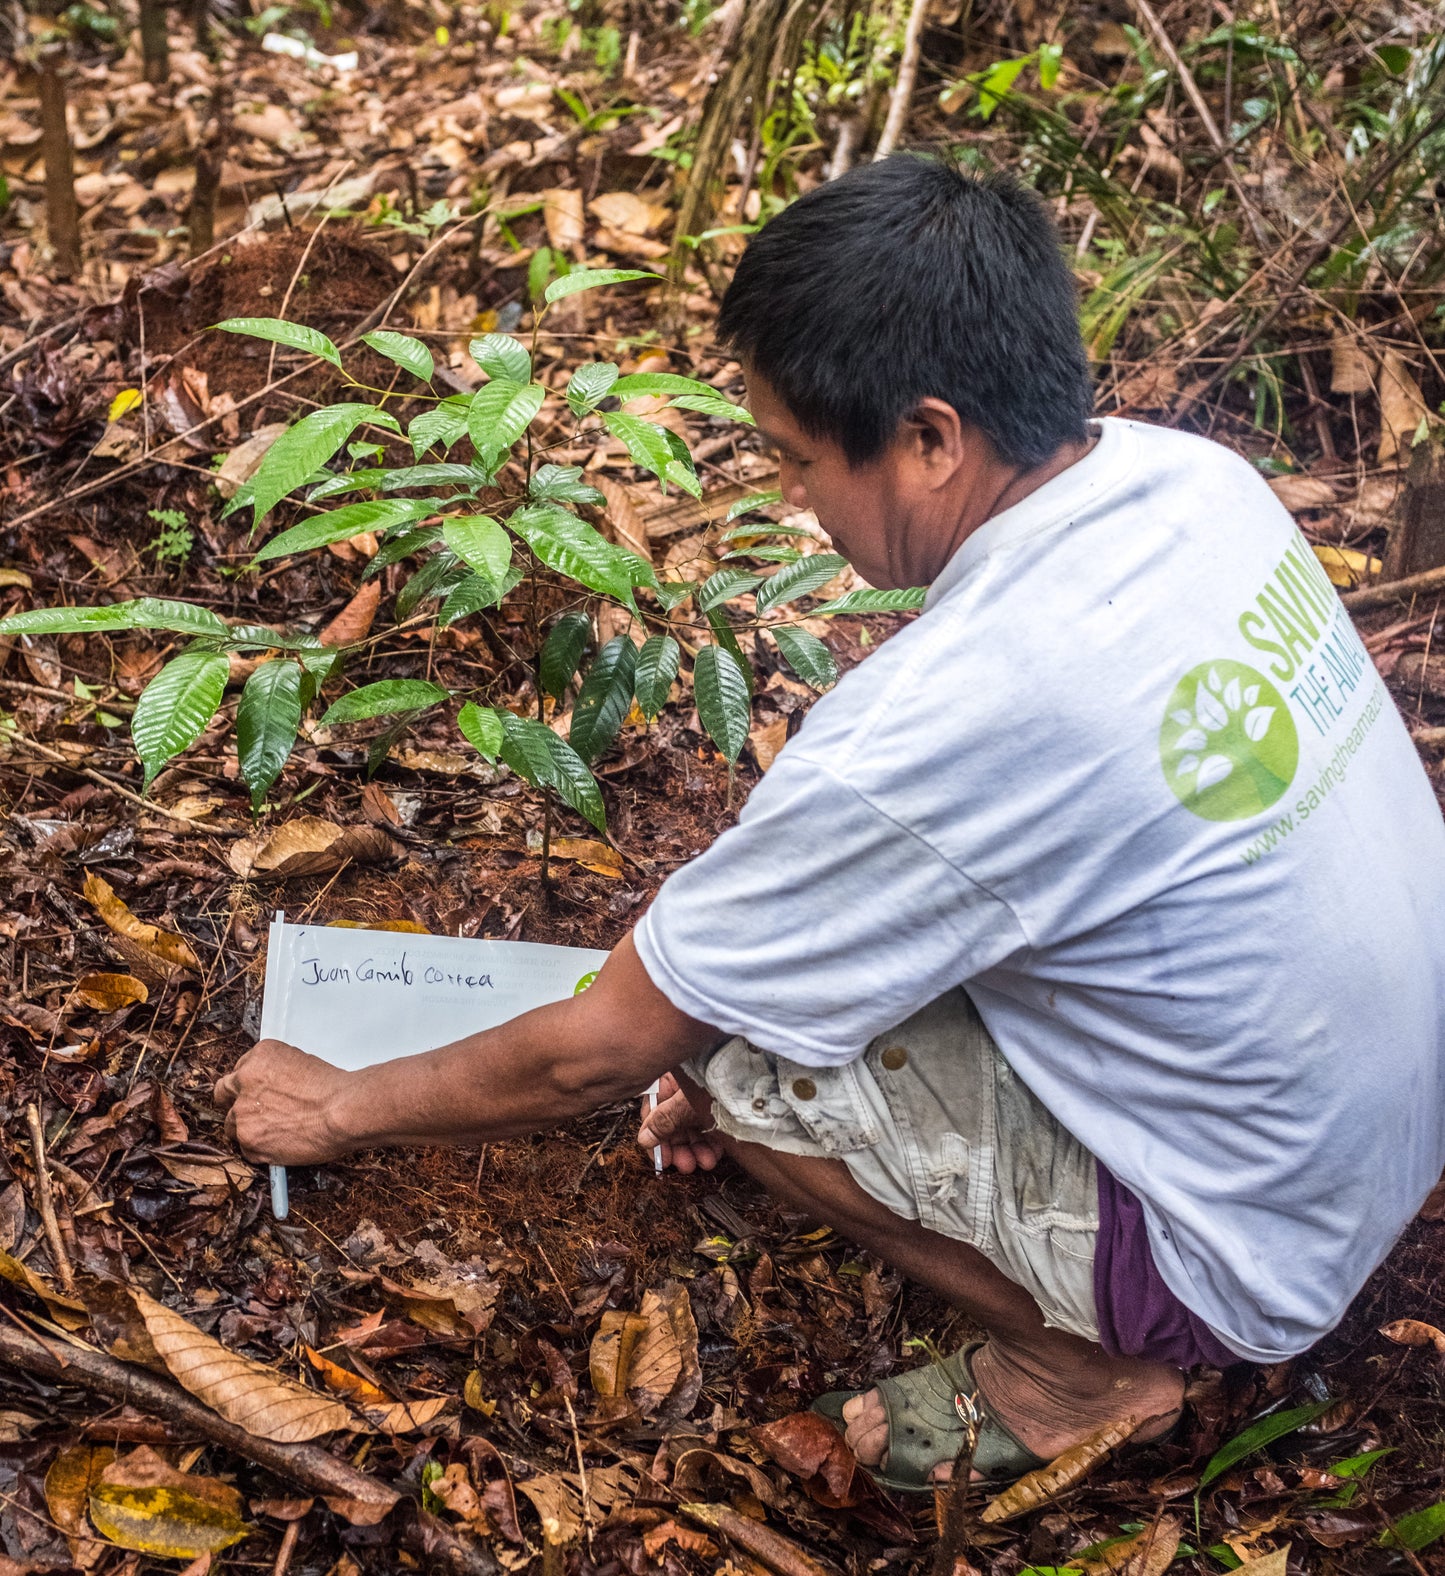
{"x": 906, "y": 278}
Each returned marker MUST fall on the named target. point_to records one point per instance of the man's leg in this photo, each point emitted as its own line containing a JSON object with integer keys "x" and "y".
{"x": 1050, "y": 1388}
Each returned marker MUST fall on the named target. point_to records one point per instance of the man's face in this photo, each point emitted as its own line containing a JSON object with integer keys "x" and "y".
{"x": 879, "y": 515}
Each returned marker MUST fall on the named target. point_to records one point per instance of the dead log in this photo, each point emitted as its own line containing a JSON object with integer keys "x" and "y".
{"x": 356, "y": 1494}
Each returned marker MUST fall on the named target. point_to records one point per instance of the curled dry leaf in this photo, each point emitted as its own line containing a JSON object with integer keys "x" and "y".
{"x": 1298, "y": 493}
{"x": 309, "y": 846}
{"x": 628, "y": 213}
{"x": 1350, "y": 367}
{"x": 242, "y": 463}
{"x": 354, "y": 621}
{"x": 241, "y": 1391}
{"x": 141, "y": 1503}
{"x": 1415, "y": 1332}
{"x": 666, "y": 1377}
{"x": 609, "y": 1359}
{"x": 68, "y": 1483}
{"x": 66, "y": 1311}
{"x": 402, "y": 1417}
{"x": 110, "y": 992}
{"x": 809, "y": 1447}
{"x": 146, "y": 944}
{"x": 701, "y": 1472}
{"x": 1402, "y": 407}
{"x": 1150, "y": 1552}
{"x": 203, "y": 1170}
{"x": 1038, "y": 1488}
{"x": 589, "y": 853}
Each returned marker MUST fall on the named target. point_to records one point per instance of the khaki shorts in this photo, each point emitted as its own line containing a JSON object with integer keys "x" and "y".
{"x": 932, "y": 1123}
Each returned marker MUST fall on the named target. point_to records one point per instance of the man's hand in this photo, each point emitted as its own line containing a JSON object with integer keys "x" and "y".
{"x": 683, "y": 1135}
{"x": 281, "y": 1106}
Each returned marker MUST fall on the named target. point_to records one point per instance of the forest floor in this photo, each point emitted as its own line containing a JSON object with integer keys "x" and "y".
{"x": 491, "y": 1290}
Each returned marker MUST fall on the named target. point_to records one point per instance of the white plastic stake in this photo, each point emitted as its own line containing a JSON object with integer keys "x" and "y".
{"x": 653, "y": 1089}
{"x": 280, "y": 1187}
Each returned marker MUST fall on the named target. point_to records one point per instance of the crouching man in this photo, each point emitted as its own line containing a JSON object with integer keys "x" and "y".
{"x": 1084, "y": 953}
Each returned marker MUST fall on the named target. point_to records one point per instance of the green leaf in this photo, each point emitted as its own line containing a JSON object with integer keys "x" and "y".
{"x": 604, "y": 699}
{"x": 352, "y": 481}
{"x": 795, "y": 580}
{"x": 384, "y": 699}
{"x": 727, "y": 638}
{"x": 563, "y": 484}
{"x": 758, "y": 500}
{"x": 408, "y": 353}
{"x": 481, "y": 727}
{"x": 589, "y": 385}
{"x": 1051, "y": 57}
{"x": 535, "y": 753}
{"x": 296, "y": 335}
{"x": 713, "y": 405}
{"x": 400, "y": 545}
{"x": 1258, "y": 1435}
{"x": 724, "y": 584}
{"x": 724, "y": 705}
{"x": 442, "y": 473}
{"x": 904, "y": 601}
{"x": 1418, "y": 1530}
{"x": 645, "y": 441}
{"x": 146, "y": 612}
{"x": 444, "y": 425}
{"x": 592, "y": 279}
{"x": 266, "y": 724}
{"x": 766, "y": 555}
{"x": 562, "y": 651}
{"x": 660, "y": 384}
{"x": 571, "y": 547}
{"x": 176, "y": 706}
{"x": 474, "y": 593}
{"x": 757, "y": 533}
{"x": 256, "y": 637}
{"x": 657, "y": 665}
{"x": 436, "y": 577}
{"x": 680, "y": 467}
{"x": 673, "y": 593}
{"x": 305, "y": 448}
{"x": 340, "y": 525}
{"x": 500, "y": 413}
{"x": 480, "y": 543}
{"x": 502, "y": 357}
{"x": 806, "y": 655}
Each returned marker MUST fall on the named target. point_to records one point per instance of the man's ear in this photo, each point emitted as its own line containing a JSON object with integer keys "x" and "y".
{"x": 938, "y": 440}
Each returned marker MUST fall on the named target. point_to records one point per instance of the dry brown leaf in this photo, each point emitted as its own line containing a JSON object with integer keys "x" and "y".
{"x": 589, "y": 853}
{"x": 609, "y": 1359}
{"x": 242, "y": 463}
{"x": 1148, "y": 1553}
{"x": 1350, "y": 367}
{"x": 666, "y": 1378}
{"x": 1402, "y": 407}
{"x": 1415, "y": 1332}
{"x": 401, "y": 1417}
{"x": 628, "y": 245}
{"x": 441, "y": 763}
{"x": 1298, "y": 493}
{"x": 66, "y": 1311}
{"x": 68, "y": 1483}
{"x": 558, "y": 1504}
{"x": 309, "y": 846}
{"x": 622, "y": 521}
{"x": 1275, "y": 1563}
{"x": 1073, "y": 1466}
{"x": 562, "y": 212}
{"x": 110, "y": 992}
{"x": 629, "y": 213}
{"x": 246, "y": 1393}
{"x": 354, "y": 621}
{"x": 160, "y": 948}
{"x": 341, "y": 1380}
{"x": 657, "y": 1538}
{"x": 766, "y": 740}
{"x": 221, "y": 1171}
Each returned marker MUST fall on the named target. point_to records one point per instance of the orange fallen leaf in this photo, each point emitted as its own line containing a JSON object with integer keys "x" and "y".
{"x": 354, "y": 621}
{"x": 1415, "y": 1332}
{"x": 309, "y": 846}
{"x": 110, "y": 992}
{"x": 157, "y": 947}
{"x": 1073, "y": 1466}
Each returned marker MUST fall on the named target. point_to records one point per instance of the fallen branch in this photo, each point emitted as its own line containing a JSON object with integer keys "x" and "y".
{"x": 777, "y": 1552}
{"x": 902, "y": 99}
{"x": 367, "y": 1499}
{"x": 1368, "y": 597}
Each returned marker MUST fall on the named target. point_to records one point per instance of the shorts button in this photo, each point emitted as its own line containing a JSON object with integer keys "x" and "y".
{"x": 894, "y": 1058}
{"x": 804, "y": 1088}
{"x": 760, "y": 1104}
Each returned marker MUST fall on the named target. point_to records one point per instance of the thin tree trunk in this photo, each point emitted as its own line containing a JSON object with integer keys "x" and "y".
{"x": 62, "y": 212}
{"x": 902, "y": 99}
{"x": 155, "y": 47}
{"x": 201, "y": 21}
{"x": 210, "y": 156}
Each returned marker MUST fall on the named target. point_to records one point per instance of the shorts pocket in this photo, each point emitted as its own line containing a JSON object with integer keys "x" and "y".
{"x": 829, "y": 1103}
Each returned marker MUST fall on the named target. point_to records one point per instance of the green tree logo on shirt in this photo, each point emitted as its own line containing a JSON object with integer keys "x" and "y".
{"x": 1228, "y": 744}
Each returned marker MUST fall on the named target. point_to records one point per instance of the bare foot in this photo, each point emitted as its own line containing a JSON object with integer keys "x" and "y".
{"x": 1046, "y": 1411}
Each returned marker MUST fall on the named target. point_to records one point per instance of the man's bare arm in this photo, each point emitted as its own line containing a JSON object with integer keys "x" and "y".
{"x": 556, "y": 1062}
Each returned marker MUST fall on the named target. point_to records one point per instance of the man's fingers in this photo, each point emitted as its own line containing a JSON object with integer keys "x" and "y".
{"x": 224, "y": 1094}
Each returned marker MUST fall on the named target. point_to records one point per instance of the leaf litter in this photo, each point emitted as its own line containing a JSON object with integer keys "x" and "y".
{"x": 585, "y": 1367}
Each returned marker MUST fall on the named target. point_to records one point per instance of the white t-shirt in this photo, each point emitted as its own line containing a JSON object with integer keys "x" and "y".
{"x": 1131, "y": 778}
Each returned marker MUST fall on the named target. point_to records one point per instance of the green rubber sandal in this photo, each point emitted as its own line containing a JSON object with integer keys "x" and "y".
{"x": 929, "y": 1411}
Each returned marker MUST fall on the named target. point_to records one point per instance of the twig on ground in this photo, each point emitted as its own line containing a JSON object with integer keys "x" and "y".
{"x": 45, "y": 1202}
{"x": 1382, "y": 595}
{"x": 899, "y": 103}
